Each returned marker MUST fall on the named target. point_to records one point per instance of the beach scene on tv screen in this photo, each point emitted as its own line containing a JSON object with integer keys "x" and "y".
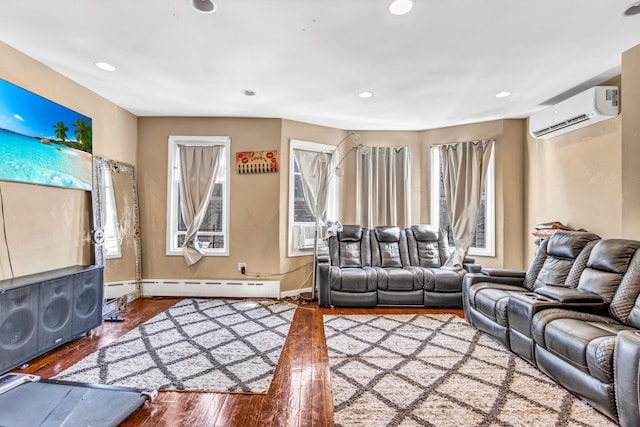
{"x": 42, "y": 142}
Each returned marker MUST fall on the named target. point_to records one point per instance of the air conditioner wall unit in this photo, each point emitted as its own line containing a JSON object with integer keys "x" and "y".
{"x": 584, "y": 109}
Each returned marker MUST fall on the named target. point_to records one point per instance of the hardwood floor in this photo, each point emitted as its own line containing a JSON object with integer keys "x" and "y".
{"x": 300, "y": 394}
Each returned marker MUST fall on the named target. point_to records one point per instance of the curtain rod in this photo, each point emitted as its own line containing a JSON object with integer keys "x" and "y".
{"x": 459, "y": 142}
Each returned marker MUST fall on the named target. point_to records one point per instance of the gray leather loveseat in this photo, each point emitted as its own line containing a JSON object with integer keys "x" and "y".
{"x": 389, "y": 266}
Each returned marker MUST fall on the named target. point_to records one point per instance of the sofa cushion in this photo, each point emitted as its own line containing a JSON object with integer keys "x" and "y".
{"x": 390, "y": 255}
{"x": 387, "y": 234}
{"x": 553, "y": 271}
{"x": 397, "y": 279}
{"x": 563, "y": 249}
{"x": 428, "y": 254}
{"x": 354, "y": 280}
{"x": 607, "y": 266}
{"x": 612, "y": 255}
{"x": 425, "y": 233}
{"x": 569, "y": 244}
{"x": 350, "y": 233}
{"x": 350, "y": 254}
{"x": 492, "y": 303}
{"x": 424, "y": 245}
{"x": 587, "y": 346}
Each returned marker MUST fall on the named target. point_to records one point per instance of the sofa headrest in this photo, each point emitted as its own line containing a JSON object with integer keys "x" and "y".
{"x": 569, "y": 244}
{"x": 387, "y": 234}
{"x": 613, "y": 255}
{"x": 350, "y": 233}
{"x": 425, "y": 232}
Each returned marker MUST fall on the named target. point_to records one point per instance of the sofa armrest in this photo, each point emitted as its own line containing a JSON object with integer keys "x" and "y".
{"x": 522, "y": 308}
{"x": 626, "y": 362}
{"x": 324, "y": 259}
{"x": 566, "y": 295}
{"x": 472, "y": 278}
{"x": 471, "y": 267}
{"x": 500, "y": 272}
{"x": 322, "y": 282}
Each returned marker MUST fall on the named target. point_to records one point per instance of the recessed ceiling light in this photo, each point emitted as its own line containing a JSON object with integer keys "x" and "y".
{"x": 400, "y": 7}
{"x": 634, "y": 9}
{"x": 503, "y": 94}
{"x": 365, "y": 94}
{"x": 105, "y": 66}
{"x": 248, "y": 92}
{"x": 204, "y": 6}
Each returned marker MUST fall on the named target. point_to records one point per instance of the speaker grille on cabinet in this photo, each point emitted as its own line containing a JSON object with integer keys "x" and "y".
{"x": 18, "y": 319}
{"x": 55, "y": 312}
{"x": 44, "y": 310}
{"x": 87, "y": 294}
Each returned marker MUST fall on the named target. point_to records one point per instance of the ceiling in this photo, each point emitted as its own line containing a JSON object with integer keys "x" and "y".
{"x": 307, "y": 60}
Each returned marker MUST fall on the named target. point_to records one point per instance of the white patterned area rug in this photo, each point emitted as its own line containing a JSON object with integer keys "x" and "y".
{"x": 437, "y": 370}
{"x": 195, "y": 345}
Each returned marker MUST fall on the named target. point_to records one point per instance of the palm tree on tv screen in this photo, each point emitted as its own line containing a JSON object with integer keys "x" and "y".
{"x": 61, "y": 131}
{"x": 82, "y": 132}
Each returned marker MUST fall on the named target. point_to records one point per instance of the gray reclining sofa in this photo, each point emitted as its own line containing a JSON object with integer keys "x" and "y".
{"x": 389, "y": 266}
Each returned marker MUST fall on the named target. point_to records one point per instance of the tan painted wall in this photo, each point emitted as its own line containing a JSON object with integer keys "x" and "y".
{"x": 254, "y": 199}
{"x": 48, "y": 227}
{"x": 576, "y": 178}
{"x": 631, "y": 143}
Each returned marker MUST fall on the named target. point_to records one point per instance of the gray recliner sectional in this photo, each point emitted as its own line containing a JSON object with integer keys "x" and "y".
{"x": 583, "y": 331}
{"x": 559, "y": 259}
{"x": 389, "y": 266}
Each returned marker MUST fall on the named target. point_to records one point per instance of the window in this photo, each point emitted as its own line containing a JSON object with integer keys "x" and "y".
{"x": 302, "y": 222}
{"x": 112, "y": 240}
{"x": 214, "y": 231}
{"x": 483, "y": 241}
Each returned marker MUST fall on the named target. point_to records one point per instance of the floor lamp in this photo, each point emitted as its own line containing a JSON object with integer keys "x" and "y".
{"x": 335, "y": 171}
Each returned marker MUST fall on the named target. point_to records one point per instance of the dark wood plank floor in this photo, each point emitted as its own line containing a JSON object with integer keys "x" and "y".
{"x": 300, "y": 394}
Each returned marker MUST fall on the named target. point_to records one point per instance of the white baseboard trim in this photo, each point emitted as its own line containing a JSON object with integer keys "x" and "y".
{"x": 211, "y": 288}
{"x": 295, "y": 292}
{"x": 117, "y": 289}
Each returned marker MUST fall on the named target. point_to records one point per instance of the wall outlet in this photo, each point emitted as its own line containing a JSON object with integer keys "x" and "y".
{"x": 242, "y": 267}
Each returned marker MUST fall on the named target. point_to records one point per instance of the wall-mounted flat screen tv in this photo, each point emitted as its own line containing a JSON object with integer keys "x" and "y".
{"x": 42, "y": 142}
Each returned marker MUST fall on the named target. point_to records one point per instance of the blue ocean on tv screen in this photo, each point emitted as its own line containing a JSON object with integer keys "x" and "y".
{"x": 40, "y": 161}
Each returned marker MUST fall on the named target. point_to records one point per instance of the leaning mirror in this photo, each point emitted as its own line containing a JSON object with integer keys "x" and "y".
{"x": 116, "y": 232}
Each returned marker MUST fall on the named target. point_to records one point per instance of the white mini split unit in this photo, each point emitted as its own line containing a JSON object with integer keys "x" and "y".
{"x": 586, "y": 108}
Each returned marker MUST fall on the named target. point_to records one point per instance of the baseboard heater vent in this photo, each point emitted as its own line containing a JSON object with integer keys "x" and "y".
{"x": 210, "y": 288}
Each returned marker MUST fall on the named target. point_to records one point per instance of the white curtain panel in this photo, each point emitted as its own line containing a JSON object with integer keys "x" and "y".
{"x": 464, "y": 170}
{"x": 198, "y": 170}
{"x": 383, "y": 185}
{"x": 315, "y": 172}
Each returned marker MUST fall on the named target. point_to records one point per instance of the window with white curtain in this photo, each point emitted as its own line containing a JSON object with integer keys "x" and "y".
{"x": 301, "y": 219}
{"x": 214, "y": 231}
{"x": 483, "y": 241}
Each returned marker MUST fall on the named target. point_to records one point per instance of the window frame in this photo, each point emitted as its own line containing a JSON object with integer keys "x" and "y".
{"x": 490, "y": 202}
{"x": 172, "y": 248}
{"x": 332, "y": 209}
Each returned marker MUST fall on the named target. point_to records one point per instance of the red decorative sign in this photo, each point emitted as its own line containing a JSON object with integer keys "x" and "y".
{"x": 257, "y": 161}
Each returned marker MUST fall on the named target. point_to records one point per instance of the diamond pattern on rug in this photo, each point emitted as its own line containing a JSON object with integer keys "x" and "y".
{"x": 195, "y": 345}
{"x": 437, "y": 370}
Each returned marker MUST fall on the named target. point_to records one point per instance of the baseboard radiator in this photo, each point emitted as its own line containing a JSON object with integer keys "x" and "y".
{"x": 210, "y": 288}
